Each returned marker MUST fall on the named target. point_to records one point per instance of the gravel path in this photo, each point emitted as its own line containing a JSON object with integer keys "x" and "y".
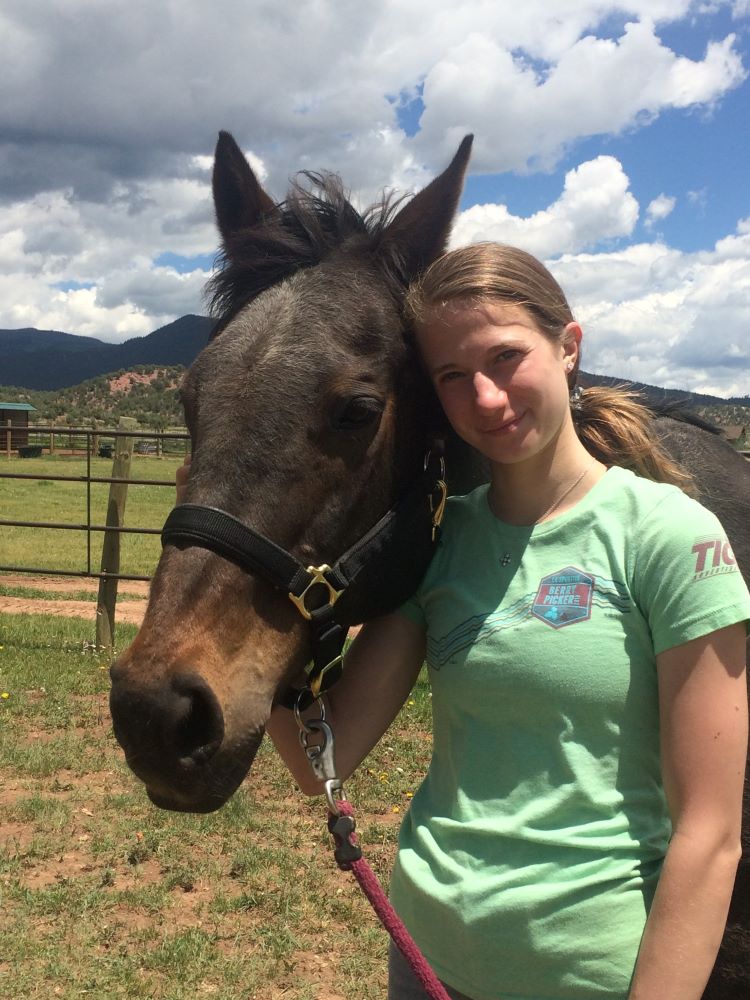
{"x": 128, "y": 612}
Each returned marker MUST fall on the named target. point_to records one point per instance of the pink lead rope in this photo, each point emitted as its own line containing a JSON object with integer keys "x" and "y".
{"x": 349, "y": 858}
{"x": 348, "y": 853}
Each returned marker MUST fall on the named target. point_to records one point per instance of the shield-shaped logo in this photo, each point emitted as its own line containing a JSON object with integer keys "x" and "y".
{"x": 564, "y": 598}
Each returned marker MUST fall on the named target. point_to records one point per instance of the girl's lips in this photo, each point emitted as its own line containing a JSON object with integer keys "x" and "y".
{"x": 507, "y": 426}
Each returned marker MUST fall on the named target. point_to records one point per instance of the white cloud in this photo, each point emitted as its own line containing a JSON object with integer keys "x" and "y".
{"x": 699, "y": 199}
{"x": 595, "y": 205}
{"x": 658, "y": 209}
{"x": 110, "y": 111}
{"x": 53, "y": 240}
{"x": 526, "y": 115}
{"x": 310, "y": 87}
{"x": 657, "y": 315}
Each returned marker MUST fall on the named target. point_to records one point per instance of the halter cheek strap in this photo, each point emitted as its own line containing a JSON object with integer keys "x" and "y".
{"x": 373, "y": 577}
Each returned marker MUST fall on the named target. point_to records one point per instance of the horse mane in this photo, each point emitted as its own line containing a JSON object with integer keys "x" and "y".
{"x": 301, "y": 232}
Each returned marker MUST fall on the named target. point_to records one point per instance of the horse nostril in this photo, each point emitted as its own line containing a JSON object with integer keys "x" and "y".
{"x": 198, "y": 721}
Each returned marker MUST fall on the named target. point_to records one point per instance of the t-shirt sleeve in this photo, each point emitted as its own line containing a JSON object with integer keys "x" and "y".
{"x": 686, "y": 578}
{"x": 412, "y": 609}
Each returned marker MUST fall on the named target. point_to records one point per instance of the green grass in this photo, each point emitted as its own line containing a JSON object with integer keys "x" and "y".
{"x": 104, "y": 895}
{"x": 66, "y": 503}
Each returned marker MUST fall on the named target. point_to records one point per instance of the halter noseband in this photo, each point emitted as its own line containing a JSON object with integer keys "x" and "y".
{"x": 371, "y": 578}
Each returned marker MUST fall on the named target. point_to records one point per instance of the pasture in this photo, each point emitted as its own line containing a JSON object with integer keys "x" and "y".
{"x": 103, "y": 895}
{"x": 43, "y": 500}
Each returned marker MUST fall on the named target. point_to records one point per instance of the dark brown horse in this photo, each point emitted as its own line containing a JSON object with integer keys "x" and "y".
{"x": 309, "y": 416}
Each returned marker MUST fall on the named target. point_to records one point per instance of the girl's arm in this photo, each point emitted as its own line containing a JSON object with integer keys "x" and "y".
{"x": 703, "y": 713}
{"x": 380, "y": 669}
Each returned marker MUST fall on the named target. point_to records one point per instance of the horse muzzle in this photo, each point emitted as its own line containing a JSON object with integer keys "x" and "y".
{"x": 174, "y": 740}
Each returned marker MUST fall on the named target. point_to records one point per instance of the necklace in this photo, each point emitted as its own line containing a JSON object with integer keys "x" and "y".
{"x": 562, "y": 496}
{"x": 506, "y": 558}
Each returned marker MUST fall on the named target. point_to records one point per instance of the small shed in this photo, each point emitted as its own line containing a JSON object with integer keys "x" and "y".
{"x": 736, "y": 433}
{"x": 17, "y": 414}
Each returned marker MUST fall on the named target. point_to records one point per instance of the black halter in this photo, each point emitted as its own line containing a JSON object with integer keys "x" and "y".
{"x": 373, "y": 577}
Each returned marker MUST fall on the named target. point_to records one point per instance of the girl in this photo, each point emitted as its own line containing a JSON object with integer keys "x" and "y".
{"x": 577, "y": 834}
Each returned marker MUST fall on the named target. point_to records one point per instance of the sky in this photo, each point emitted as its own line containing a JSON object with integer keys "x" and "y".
{"x": 612, "y": 141}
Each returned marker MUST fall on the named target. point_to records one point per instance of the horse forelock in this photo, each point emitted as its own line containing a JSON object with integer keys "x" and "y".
{"x": 312, "y": 223}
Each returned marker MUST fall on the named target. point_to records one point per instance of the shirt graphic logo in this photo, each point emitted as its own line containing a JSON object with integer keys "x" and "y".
{"x": 712, "y": 556}
{"x": 564, "y": 598}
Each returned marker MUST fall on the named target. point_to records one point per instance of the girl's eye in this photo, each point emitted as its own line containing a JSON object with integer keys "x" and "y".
{"x": 450, "y": 377}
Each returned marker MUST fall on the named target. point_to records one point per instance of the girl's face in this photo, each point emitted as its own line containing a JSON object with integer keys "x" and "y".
{"x": 501, "y": 381}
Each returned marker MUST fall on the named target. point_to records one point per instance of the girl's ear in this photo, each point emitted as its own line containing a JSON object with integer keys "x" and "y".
{"x": 571, "y": 344}
{"x": 571, "y": 340}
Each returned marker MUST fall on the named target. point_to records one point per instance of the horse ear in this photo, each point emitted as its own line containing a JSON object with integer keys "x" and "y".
{"x": 420, "y": 231}
{"x": 239, "y": 199}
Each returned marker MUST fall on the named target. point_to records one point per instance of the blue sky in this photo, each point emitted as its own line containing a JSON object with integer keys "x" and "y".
{"x": 612, "y": 140}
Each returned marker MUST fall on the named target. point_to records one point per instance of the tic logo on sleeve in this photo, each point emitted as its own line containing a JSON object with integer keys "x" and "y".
{"x": 564, "y": 598}
{"x": 713, "y": 556}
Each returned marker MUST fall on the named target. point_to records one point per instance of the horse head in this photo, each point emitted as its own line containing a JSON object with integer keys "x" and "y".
{"x": 308, "y": 418}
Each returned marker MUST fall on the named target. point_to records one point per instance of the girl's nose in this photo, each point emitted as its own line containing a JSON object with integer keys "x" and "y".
{"x": 487, "y": 394}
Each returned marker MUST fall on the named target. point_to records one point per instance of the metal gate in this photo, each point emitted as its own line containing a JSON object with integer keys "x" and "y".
{"x": 90, "y": 435}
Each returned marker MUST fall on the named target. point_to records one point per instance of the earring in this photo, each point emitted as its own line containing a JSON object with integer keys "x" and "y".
{"x": 569, "y": 367}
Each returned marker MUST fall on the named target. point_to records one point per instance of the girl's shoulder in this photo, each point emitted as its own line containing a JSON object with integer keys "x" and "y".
{"x": 681, "y": 569}
{"x": 640, "y": 500}
{"x": 467, "y": 506}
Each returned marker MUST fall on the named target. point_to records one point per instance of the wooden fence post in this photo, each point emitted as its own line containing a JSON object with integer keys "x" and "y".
{"x": 8, "y": 437}
{"x": 118, "y": 492}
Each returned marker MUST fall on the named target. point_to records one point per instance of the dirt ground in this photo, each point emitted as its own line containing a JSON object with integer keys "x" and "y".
{"x": 128, "y": 612}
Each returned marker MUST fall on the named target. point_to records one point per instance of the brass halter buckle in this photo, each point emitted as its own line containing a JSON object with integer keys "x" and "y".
{"x": 438, "y": 509}
{"x": 318, "y": 576}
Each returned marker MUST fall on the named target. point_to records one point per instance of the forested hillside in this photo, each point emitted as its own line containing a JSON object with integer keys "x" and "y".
{"x": 146, "y": 392}
{"x": 151, "y": 394}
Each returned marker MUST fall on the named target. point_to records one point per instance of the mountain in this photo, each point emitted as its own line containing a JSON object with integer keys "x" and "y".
{"x": 49, "y": 359}
{"x": 656, "y": 394}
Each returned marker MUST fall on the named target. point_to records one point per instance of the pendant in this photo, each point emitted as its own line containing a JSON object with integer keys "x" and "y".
{"x": 506, "y": 559}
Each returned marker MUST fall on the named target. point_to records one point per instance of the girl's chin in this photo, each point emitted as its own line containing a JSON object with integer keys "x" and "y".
{"x": 506, "y": 456}
{"x": 508, "y": 451}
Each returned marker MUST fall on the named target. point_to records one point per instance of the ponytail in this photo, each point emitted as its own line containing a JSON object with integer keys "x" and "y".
{"x": 618, "y": 429}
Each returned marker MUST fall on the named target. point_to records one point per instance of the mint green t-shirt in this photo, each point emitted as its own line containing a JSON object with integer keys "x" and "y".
{"x": 530, "y": 854}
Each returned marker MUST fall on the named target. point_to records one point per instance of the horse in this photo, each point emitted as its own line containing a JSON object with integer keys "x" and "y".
{"x": 310, "y": 419}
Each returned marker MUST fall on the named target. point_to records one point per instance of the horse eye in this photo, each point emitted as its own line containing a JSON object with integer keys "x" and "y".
{"x": 356, "y": 413}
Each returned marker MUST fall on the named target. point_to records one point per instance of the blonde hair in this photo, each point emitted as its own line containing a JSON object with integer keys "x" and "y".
{"x": 612, "y": 424}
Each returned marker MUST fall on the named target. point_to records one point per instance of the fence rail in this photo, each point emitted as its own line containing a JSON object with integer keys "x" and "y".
{"x": 92, "y": 436}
